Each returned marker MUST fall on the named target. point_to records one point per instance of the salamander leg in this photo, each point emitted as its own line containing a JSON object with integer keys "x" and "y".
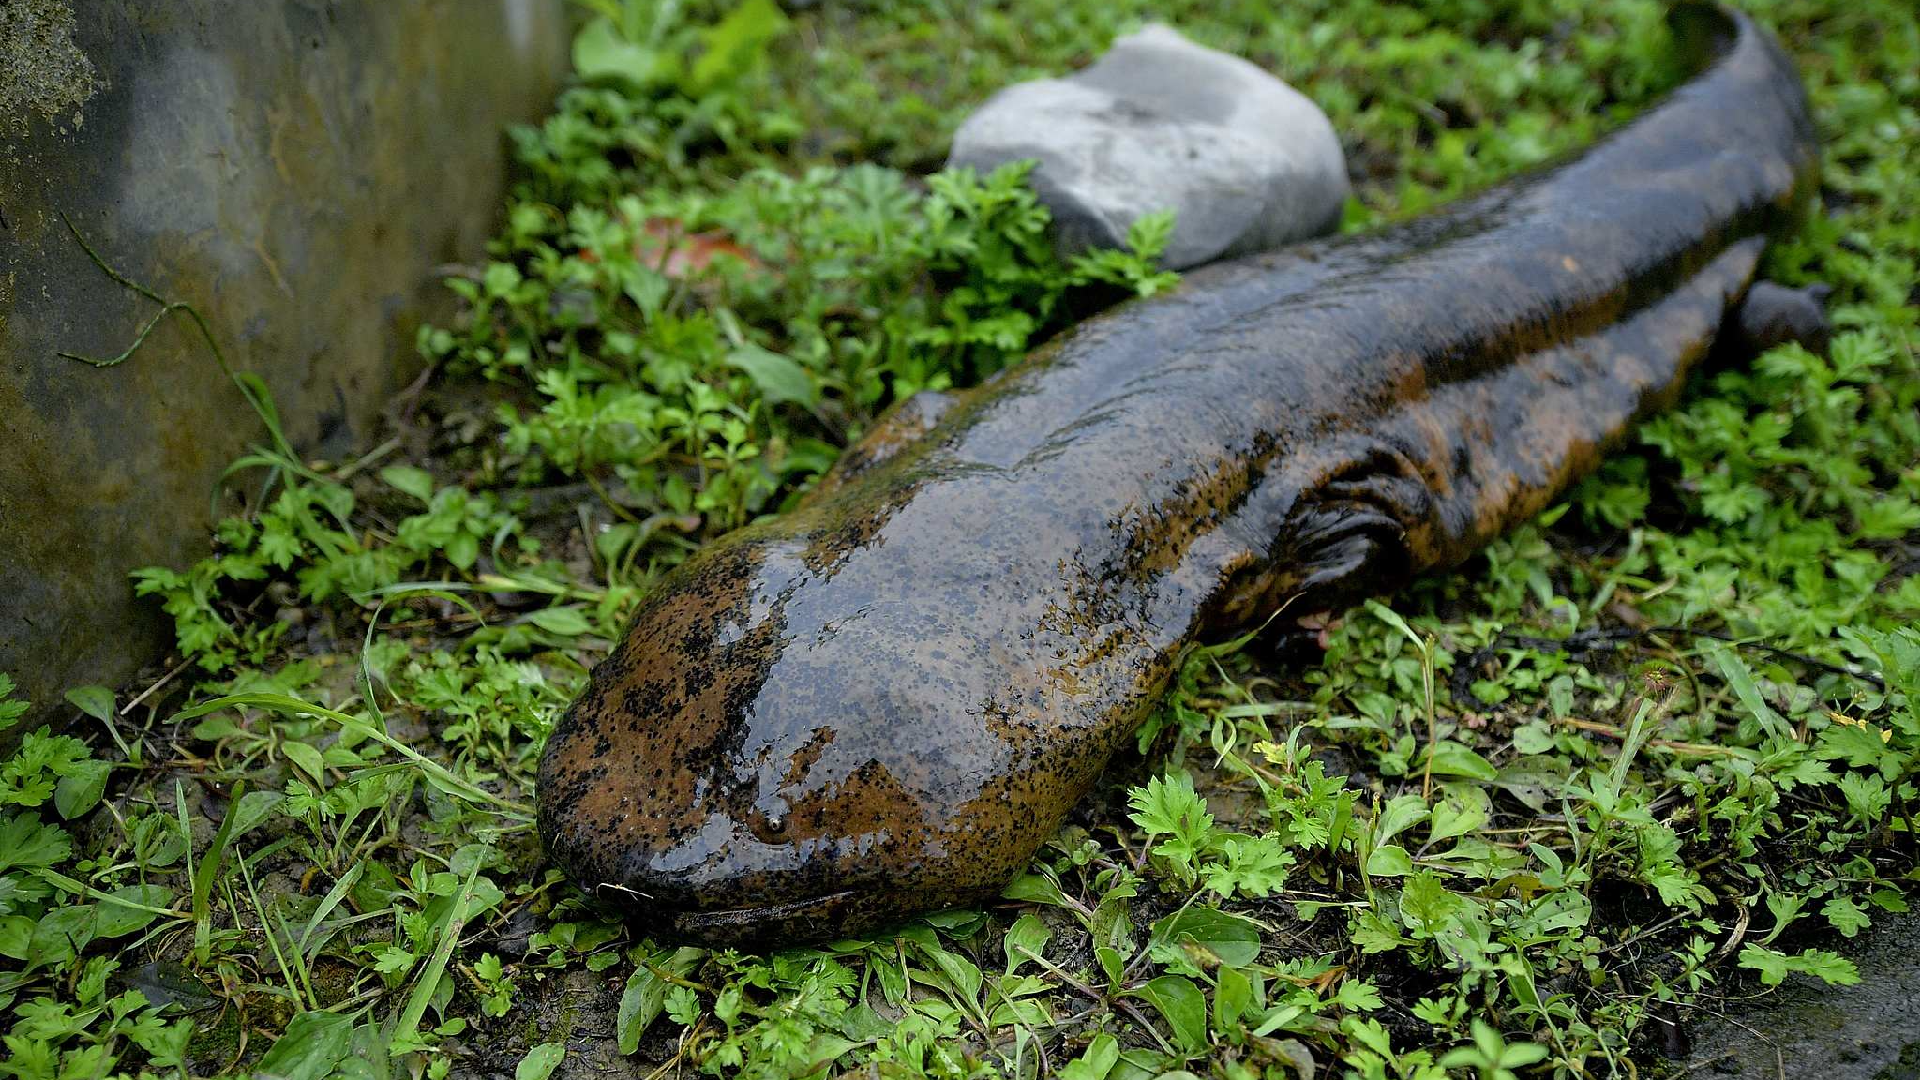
{"x": 1773, "y": 315}
{"x": 1498, "y": 449}
{"x": 1461, "y": 460}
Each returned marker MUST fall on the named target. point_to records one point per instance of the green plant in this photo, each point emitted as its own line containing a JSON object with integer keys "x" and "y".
{"x": 1659, "y": 743}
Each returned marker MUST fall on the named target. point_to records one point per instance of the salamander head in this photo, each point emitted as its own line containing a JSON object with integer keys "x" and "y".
{"x": 777, "y": 750}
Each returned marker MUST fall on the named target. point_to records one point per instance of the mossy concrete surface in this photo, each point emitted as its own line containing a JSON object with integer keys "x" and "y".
{"x": 296, "y": 170}
{"x": 1869, "y": 1031}
{"x": 42, "y": 72}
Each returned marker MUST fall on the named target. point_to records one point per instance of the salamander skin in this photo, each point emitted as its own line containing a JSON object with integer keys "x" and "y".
{"x": 884, "y": 702}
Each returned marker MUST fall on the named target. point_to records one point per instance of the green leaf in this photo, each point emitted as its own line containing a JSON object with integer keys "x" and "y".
{"x": 16, "y": 936}
{"x": 10, "y": 710}
{"x": 118, "y": 920}
{"x": 1169, "y": 806}
{"x": 81, "y": 788}
{"x": 1397, "y": 816}
{"x": 462, "y": 550}
{"x": 646, "y": 993}
{"x": 1561, "y": 909}
{"x": 1369, "y": 1033}
{"x": 1389, "y": 861}
{"x": 1254, "y": 866}
{"x": 1858, "y": 745}
{"x": 1183, "y": 1006}
{"x": 415, "y": 482}
{"x": 564, "y": 621}
{"x": 1452, "y": 759}
{"x": 1829, "y": 967}
{"x": 308, "y": 758}
{"x": 1027, "y": 935}
{"x": 1774, "y": 967}
{"x": 28, "y": 777}
{"x": 95, "y": 701}
{"x": 1559, "y": 700}
{"x": 254, "y": 808}
{"x": 961, "y": 975}
{"x": 1375, "y": 934}
{"x": 1426, "y": 903}
{"x": 1536, "y": 781}
{"x": 1889, "y": 900}
{"x": 1235, "y": 940}
{"x": 26, "y": 841}
{"x": 1232, "y": 999}
{"x": 393, "y": 960}
{"x": 60, "y": 935}
{"x": 778, "y": 378}
{"x": 1035, "y": 889}
{"x": 1520, "y": 1055}
{"x": 1786, "y": 909}
{"x": 312, "y": 1045}
{"x": 1392, "y": 618}
{"x": 540, "y": 1061}
{"x": 1735, "y": 671}
{"x": 1458, "y": 815}
{"x": 735, "y": 45}
{"x": 1147, "y": 237}
{"x": 601, "y": 54}
{"x": 1094, "y": 1063}
{"x": 1845, "y": 916}
{"x": 1868, "y": 797}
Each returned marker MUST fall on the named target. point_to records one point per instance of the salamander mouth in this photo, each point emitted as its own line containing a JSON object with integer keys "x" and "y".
{"x": 826, "y": 917}
{"x": 817, "y": 918}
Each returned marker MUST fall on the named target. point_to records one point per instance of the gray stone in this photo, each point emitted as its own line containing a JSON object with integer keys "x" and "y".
{"x": 1246, "y": 162}
{"x": 296, "y": 169}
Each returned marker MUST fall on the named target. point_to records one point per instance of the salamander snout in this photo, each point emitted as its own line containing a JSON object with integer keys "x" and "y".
{"x": 758, "y": 757}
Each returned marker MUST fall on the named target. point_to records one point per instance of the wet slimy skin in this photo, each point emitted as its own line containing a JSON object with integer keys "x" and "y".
{"x": 884, "y": 702}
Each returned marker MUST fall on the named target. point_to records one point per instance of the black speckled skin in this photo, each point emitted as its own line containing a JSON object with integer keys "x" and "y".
{"x": 884, "y": 702}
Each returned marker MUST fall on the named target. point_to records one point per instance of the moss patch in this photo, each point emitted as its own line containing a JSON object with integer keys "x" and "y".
{"x": 41, "y": 69}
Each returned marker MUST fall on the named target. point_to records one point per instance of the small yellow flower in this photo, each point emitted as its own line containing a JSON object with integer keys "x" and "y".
{"x": 1886, "y": 735}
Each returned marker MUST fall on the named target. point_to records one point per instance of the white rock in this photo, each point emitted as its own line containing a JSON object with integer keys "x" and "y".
{"x": 1245, "y": 161}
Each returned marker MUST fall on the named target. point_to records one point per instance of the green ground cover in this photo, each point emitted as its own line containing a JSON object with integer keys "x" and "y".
{"x": 1659, "y": 744}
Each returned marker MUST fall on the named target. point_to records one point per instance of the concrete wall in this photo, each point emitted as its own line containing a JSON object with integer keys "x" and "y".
{"x": 296, "y": 169}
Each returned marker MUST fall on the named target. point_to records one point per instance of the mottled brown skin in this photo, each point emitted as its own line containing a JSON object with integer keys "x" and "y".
{"x": 884, "y": 702}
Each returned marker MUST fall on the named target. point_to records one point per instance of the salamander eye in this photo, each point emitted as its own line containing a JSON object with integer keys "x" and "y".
{"x": 767, "y": 828}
